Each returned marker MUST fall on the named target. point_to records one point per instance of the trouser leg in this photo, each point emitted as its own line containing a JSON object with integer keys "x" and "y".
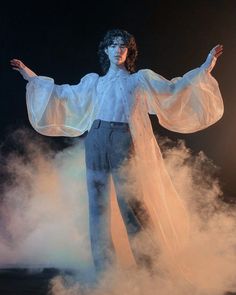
{"x": 99, "y": 218}
{"x": 98, "y": 186}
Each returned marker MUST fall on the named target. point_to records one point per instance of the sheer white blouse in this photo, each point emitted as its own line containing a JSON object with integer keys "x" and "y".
{"x": 184, "y": 104}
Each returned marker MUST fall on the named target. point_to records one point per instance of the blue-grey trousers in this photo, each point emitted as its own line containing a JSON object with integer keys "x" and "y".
{"x": 108, "y": 145}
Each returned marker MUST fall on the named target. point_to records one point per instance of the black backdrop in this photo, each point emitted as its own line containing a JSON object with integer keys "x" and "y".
{"x": 60, "y": 39}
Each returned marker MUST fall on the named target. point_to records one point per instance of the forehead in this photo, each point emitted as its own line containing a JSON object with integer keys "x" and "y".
{"x": 118, "y": 41}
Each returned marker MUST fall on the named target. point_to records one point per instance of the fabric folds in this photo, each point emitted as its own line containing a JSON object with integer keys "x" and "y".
{"x": 60, "y": 110}
{"x": 185, "y": 104}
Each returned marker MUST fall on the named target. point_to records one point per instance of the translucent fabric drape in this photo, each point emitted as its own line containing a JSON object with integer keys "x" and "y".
{"x": 60, "y": 110}
{"x": 186, "y": 104}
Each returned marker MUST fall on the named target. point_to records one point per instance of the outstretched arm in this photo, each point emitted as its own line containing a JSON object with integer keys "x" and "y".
{"x": 212, "y": 57}
{"x": 189, "y": 103}
{"x": 57, "y": 110}
{"x": 19, "y": 66}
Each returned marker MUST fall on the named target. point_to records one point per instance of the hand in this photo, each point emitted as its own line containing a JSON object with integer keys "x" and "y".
{"x": 19, "y": 66}
{"x": 212, "y": 58}
{"x": 217, "y": 51}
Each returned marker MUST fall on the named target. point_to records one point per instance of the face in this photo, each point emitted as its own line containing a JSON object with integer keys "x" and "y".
{"x": 117, "y": 51}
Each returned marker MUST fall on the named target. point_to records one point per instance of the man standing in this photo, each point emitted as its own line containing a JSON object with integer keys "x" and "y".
{"x": 114, "y": 109}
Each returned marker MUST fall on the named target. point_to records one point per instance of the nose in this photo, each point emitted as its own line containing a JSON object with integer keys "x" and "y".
{"x": 119, "y": 50}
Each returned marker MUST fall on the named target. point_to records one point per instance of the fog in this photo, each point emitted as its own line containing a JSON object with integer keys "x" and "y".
{"x": 44, "y": 223}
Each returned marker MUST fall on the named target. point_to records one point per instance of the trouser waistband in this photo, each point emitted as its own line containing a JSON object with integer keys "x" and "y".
{"x": 109, "y": 124}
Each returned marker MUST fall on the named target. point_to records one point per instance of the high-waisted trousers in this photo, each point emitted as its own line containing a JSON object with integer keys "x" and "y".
{"x": 108, "y": 146}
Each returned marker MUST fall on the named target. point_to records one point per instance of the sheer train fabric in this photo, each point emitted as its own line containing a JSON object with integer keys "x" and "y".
{"x": 186, "y": 104}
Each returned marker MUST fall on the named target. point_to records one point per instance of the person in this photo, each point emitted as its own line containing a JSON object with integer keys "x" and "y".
{"x": 114, "y": 109}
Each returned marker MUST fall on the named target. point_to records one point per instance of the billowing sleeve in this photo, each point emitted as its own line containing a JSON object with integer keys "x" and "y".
{"x": 185, "y": 104}
{"x": 60, "y": 110}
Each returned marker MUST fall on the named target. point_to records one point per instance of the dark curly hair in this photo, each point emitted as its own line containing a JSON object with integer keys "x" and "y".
{"x": 129, "y": 42}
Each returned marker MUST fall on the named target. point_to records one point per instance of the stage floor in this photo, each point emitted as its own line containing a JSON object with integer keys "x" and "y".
{"x": 25, "y": 281}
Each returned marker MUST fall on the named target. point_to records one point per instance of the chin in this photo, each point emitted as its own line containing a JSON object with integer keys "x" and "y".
{"x": 121, "y": 63}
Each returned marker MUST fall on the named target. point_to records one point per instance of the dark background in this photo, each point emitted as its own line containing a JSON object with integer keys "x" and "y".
{"x": 60, "y": 40}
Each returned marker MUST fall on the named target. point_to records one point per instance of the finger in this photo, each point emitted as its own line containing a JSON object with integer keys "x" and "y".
{"x": 217, "y": 51}
{"x": 218, "y": 54}
{"x": 217, "y": 47}
{"x": 16, "y": 69}
{"x": 13, "y": 63}
{"x": 16, "y": 60}
{"x": 220, "y": 48}
{"x": 15, "y": 66}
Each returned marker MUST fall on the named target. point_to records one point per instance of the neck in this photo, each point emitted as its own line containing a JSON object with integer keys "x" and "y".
{"x": 117, "y": 68}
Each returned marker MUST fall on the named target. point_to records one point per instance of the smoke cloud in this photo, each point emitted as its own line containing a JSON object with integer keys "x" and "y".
{"x": 43, "y": 209}
{"x": 44, "y": 223}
